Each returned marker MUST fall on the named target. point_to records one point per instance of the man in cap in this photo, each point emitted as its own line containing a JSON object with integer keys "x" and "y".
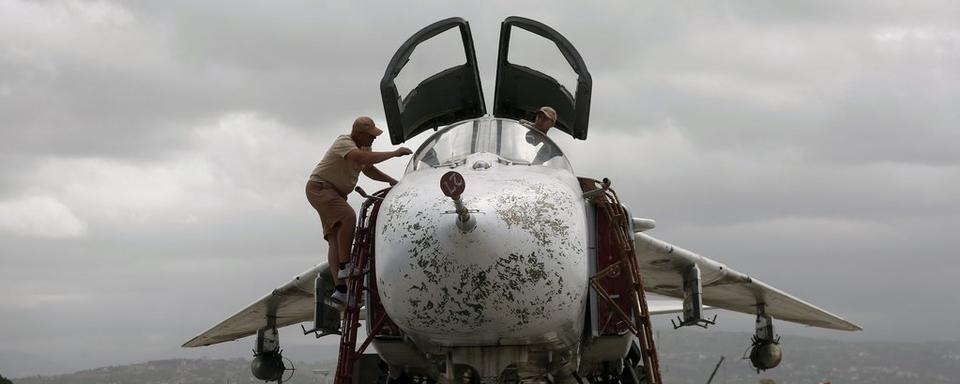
{"x": 330, "y": 183}
{"x": 546, "y": 119}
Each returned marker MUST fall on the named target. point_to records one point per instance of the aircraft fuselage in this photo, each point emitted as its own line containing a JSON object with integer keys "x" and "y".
{"x": 519, "y": 277}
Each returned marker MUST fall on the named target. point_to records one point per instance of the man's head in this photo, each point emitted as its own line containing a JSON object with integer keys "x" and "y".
{"x": 546, "y": 118}
{"x": 364, "y": 131}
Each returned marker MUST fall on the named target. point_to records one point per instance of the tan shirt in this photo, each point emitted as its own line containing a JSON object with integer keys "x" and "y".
{"x": 337, "y": 170}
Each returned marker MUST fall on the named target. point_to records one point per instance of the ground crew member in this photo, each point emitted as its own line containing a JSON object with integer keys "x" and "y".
{"x": 330, "y": 183}
{"x": 546, "y": 119}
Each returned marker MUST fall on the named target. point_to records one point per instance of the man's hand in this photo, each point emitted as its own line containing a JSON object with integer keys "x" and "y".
{"x": 402, "y": 151}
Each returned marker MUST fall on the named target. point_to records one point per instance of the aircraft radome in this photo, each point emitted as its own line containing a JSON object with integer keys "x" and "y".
{"x": 492, "y": 261}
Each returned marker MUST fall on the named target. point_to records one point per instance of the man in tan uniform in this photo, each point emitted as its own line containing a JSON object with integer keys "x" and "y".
{"x": 333, "y": 179}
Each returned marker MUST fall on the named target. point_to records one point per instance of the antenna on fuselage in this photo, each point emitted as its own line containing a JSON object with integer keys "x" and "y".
{"x": 453, "y": 185}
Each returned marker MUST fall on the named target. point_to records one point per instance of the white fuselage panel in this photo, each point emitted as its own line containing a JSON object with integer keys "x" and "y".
{"x": 519, "y": 277}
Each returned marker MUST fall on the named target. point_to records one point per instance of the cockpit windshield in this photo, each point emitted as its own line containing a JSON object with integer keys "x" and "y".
{"x": 511, "y": 142}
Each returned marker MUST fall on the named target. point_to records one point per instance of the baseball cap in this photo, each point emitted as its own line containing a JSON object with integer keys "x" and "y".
{"x": 365, "y": 124}
{"x": 549, "y": 112}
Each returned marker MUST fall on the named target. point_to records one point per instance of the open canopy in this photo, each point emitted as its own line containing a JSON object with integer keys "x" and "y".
{"x": 521, "y": 91}
{"x": 455, "y": 94}
{"x": 447, "y": 97}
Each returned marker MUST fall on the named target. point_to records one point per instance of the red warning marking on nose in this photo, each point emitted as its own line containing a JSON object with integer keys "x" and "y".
{"x": 452, "y": 184}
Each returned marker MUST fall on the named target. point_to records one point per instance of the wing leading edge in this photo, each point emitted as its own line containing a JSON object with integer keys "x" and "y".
{"x": 289, "y": 304}
{"x": 662, "y": 264}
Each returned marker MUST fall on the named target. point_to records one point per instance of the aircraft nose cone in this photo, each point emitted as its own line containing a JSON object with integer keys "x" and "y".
{"x": 519, "y": 274}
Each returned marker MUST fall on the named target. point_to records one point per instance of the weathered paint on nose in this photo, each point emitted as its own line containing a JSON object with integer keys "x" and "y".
{"x": 519, "y": 276}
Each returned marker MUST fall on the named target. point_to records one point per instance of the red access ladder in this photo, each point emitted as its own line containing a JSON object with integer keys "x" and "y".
{"x": 636, "y": 317}
{"x": 363, "y": 282}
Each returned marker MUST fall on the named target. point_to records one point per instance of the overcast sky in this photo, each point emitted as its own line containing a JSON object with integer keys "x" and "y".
{"x": 153, "y": 154}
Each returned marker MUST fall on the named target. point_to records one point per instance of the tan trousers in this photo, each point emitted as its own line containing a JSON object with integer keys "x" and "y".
{"x": 332, "y": 208}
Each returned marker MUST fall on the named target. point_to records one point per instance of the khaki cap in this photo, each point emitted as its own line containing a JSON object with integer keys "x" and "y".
{"x": 549, "y": 112}
{"x": 365, "y": 124}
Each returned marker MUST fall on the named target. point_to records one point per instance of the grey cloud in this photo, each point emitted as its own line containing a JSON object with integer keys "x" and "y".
{"x": 784, "y": 140}
{"x": 199, "y": 74}
{"x": 824, "y": 84}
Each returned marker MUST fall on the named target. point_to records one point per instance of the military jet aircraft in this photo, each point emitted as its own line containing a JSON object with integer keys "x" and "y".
{"x": 492, "y": 261}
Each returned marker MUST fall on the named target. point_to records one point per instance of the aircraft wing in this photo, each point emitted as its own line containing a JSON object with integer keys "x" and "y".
{"x": 662, "y": 265}
{"x": 289, "y": 304}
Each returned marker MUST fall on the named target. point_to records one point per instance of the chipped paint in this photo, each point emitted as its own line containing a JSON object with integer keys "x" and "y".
{"x": 520, "y": 275}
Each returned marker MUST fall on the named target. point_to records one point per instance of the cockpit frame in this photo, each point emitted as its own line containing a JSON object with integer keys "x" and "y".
{"x": 502, "y": 141}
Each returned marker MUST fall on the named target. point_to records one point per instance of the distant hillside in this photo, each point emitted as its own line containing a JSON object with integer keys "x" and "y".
{"x": 687, "y": 357}
{"x": 177, "y": 371}
{"x": 14, "y": 364}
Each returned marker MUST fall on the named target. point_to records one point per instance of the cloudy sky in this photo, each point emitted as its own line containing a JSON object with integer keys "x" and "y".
{"x": 153, "y": 154}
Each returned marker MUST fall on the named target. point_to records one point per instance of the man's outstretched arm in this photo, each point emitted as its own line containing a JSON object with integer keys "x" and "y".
{"x": 378, "y": 175}
{"x": 370, "y": 157}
